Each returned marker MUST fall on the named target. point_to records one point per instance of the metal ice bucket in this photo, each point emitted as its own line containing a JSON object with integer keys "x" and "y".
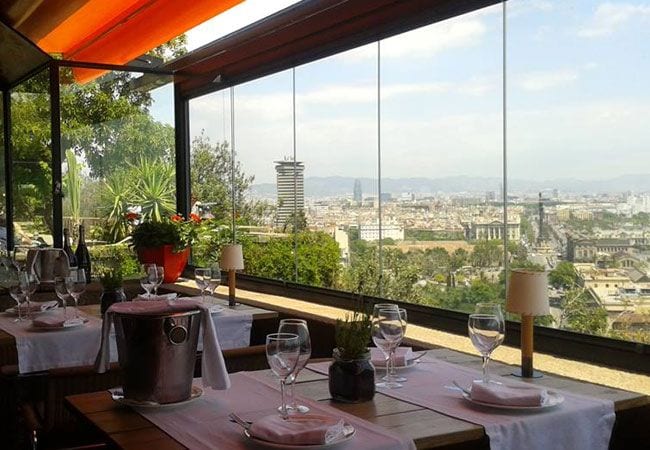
{"x": 157, "y": 355}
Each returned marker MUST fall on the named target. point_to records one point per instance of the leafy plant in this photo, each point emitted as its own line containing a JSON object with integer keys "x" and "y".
{"x": 175, "y": 231}
{"x": 111, "y": 278}
{"x": 114, "y": 255}
{"x": 72, "y": 185}
{"x": 352, "y": 335}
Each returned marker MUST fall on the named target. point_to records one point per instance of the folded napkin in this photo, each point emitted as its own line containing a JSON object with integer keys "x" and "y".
{"x": 213, "y": 366}
{"x": 36, "y": 306}
{"x": 153, "y": 298}
{"x": 402, "y": 356}
{"x": 303, "y": 429}
{"x": 48, "y": 321}
{"x": 501, "y": 394}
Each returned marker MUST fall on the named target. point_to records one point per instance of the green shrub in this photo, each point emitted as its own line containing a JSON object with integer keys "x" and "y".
{"x": 106, "y": 257}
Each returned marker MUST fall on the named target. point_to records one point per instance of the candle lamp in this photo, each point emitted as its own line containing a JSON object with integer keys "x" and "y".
{"x": 232, "y": 259}
{"x": 527, "y": 296}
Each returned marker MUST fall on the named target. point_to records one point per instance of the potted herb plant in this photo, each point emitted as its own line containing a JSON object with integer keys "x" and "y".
{"x": 351, "y": 374}
{"x": 112, "y": 291}
{"x": 166, "y": 243}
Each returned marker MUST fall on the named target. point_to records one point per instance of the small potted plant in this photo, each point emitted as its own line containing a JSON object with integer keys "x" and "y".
{"x": 112, "y": 292}
{"x": 166, "y": 243}
{"x": 351, "y": 374}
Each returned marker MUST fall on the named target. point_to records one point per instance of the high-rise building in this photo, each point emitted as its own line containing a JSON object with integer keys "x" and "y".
{"x": 357, "y": 195}
{"x": 291, "y": 190}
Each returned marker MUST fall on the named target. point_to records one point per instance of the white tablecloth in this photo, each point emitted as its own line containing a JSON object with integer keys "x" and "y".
{"x": 43, "y": 350}
{"x": 69, "y": 347}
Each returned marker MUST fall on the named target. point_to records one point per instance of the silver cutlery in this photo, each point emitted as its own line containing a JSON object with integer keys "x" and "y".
{"x": 239, "y": 421}
{"x": 464, "y": 390}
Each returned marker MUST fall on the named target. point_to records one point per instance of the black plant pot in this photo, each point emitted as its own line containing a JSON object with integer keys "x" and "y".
{"x": 110, "y": 296}
{"x": 352, "y": 381}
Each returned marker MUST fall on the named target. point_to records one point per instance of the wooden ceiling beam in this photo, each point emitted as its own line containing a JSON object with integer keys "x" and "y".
{"x": 47, "y": 16}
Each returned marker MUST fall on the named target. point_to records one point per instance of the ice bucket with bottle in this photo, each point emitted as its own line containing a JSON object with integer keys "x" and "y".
{"x": 157, "y": 352}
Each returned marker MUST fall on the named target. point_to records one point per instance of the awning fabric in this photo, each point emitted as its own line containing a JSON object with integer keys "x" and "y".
{"x": 118, "y": 31}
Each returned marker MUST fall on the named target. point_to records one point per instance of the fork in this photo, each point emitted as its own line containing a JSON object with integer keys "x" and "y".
{"x": 464, "y": 390}
{"x": 239, "y": 421}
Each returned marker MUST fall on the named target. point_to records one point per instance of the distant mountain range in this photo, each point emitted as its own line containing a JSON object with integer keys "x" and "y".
{"x": 338, "y": 186}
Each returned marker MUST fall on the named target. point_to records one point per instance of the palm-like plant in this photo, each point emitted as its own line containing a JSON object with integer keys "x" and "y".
{"x": 154, "y": 189}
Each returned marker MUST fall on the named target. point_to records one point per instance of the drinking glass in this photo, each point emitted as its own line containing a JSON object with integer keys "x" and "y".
{"x": 201, "y": 278}
{"x": 298, "y": 327}
{"x": 215, "y": 279}
{"x": 393, "y": 373}
{"x": 28, "y": 285}
{"x": 17, "y": 294}
{"x": 282, "y": 353}
{"x": 61, "y": 290}
{"x": 379, "y": 340}
{"x": 145, "y": 280}
{"x": 156, "y": 276}
{"x": 486, "y": 330}
{"x": 76, "y": 285}
{"x": 391, "y": 329}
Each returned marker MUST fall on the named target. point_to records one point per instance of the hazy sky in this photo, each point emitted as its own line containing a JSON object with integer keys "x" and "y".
{"x": 578, "y": 97}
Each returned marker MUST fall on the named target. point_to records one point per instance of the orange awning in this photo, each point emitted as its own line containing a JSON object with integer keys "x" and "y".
{"x": 118, "y": 31}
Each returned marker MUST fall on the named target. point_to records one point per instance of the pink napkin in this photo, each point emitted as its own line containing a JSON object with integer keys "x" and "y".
{"x": 48, "y": 321}
{"x": 501, "y": 394}
{"x": 303, "y": 429}
{"x": 36, "y": 306}
{"x": 153, "y": 298}
{"x": 402, "y": 356}
{"x": 213, "y": 366}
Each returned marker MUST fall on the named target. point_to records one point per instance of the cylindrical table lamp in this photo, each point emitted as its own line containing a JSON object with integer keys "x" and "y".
{"x": 232, "y": 259}
{"x": 528, "y": 296}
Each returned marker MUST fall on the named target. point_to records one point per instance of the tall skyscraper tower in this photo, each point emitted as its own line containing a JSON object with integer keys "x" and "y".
{"x": 357, "y": 195}
{"x": 291, "y": 190}
{"x": 540, "y": 209}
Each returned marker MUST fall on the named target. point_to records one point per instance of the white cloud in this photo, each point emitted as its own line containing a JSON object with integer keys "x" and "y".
{"x": 426, "y": 41}
{"x": 538, "y": 81}
{"x": 611, "y": 16}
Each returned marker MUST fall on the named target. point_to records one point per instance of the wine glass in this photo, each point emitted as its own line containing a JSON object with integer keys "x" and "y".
{"x": 393, "y": 371}
{"x": 215, "y": 279}
{"x": 486, "y": 330}
{"x": 76, "y": 285}
{"x": 17, "y": 294}
{"x": 156, "y": 276}
{"x": 201, "y": 278}
{"x": 145, "y": 281}
{"x": 298, "y": 327}
{"x": 282, "y": 353}
{"x": 61, "y": 290}
{"x": 379, "y": 340}
{"x": 28, "y": 285}
{"x": 390, "y": 326}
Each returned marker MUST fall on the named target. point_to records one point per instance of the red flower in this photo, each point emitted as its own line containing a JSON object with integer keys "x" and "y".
{"x": 131, "y": 216}
{"x": 177, "y": 218}
{"x": 195, "y": 218}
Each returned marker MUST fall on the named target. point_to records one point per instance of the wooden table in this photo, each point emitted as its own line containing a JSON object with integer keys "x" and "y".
{"x": 126, "y": 429}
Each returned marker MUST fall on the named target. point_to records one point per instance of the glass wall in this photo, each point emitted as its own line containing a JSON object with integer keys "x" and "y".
{"x": 32, "y": 162}
{"x": 117, "y": 144}
{"x": 578, "y": 155}
{"x": 3, "y": 204}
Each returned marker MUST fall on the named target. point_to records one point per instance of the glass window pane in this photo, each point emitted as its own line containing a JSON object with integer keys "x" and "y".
{"x": 32, "y": 176}
{"x": 578, "y": 138}
{"x": 3, "y": 204}
{"x": 441, "y": 135}
{"x": 336, "y": 129}
{"x": 117, "y": 140}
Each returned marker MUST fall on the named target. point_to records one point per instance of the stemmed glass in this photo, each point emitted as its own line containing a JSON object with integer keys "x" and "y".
{"x": 298, "y": 327}
{"x": 76, "y": 285}
{"x": 486, "y": 330}
{"x": 380, "y": 342}
{"x": 28, "y": 285}
{"x": 390, "y": 326}
{"x": 202, "y": 278}
{"x": 61, "y": 289}
{"x": 146, "y": 281}
{"x": 393, "y": 372}
{"x": 17, "y": 294}
{"x": 156, "y": 276}
{"x": 282, "y": 353}
{"x": 215, "y": 279}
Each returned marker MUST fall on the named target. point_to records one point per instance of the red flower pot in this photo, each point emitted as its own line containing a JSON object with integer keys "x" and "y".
{"x": 172, "y": 262}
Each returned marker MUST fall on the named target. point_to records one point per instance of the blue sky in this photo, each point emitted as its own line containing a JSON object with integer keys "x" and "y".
{"x": 578, "y": 97}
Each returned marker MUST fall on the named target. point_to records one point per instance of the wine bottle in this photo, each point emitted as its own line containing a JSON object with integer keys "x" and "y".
{"x": 72, "y": 260}
{"x": 82, "y": 255}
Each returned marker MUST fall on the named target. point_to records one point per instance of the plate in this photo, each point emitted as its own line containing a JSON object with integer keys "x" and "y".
{"x": 410, "y": 363}
{"x": 45, "y": 306}
{"x": 118, "y": 395}
{"x": 68, "y": 324}
{"x": 349, "y": 434}
{"x": 552, "y": 400}
{"x": 216, "y": 309}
